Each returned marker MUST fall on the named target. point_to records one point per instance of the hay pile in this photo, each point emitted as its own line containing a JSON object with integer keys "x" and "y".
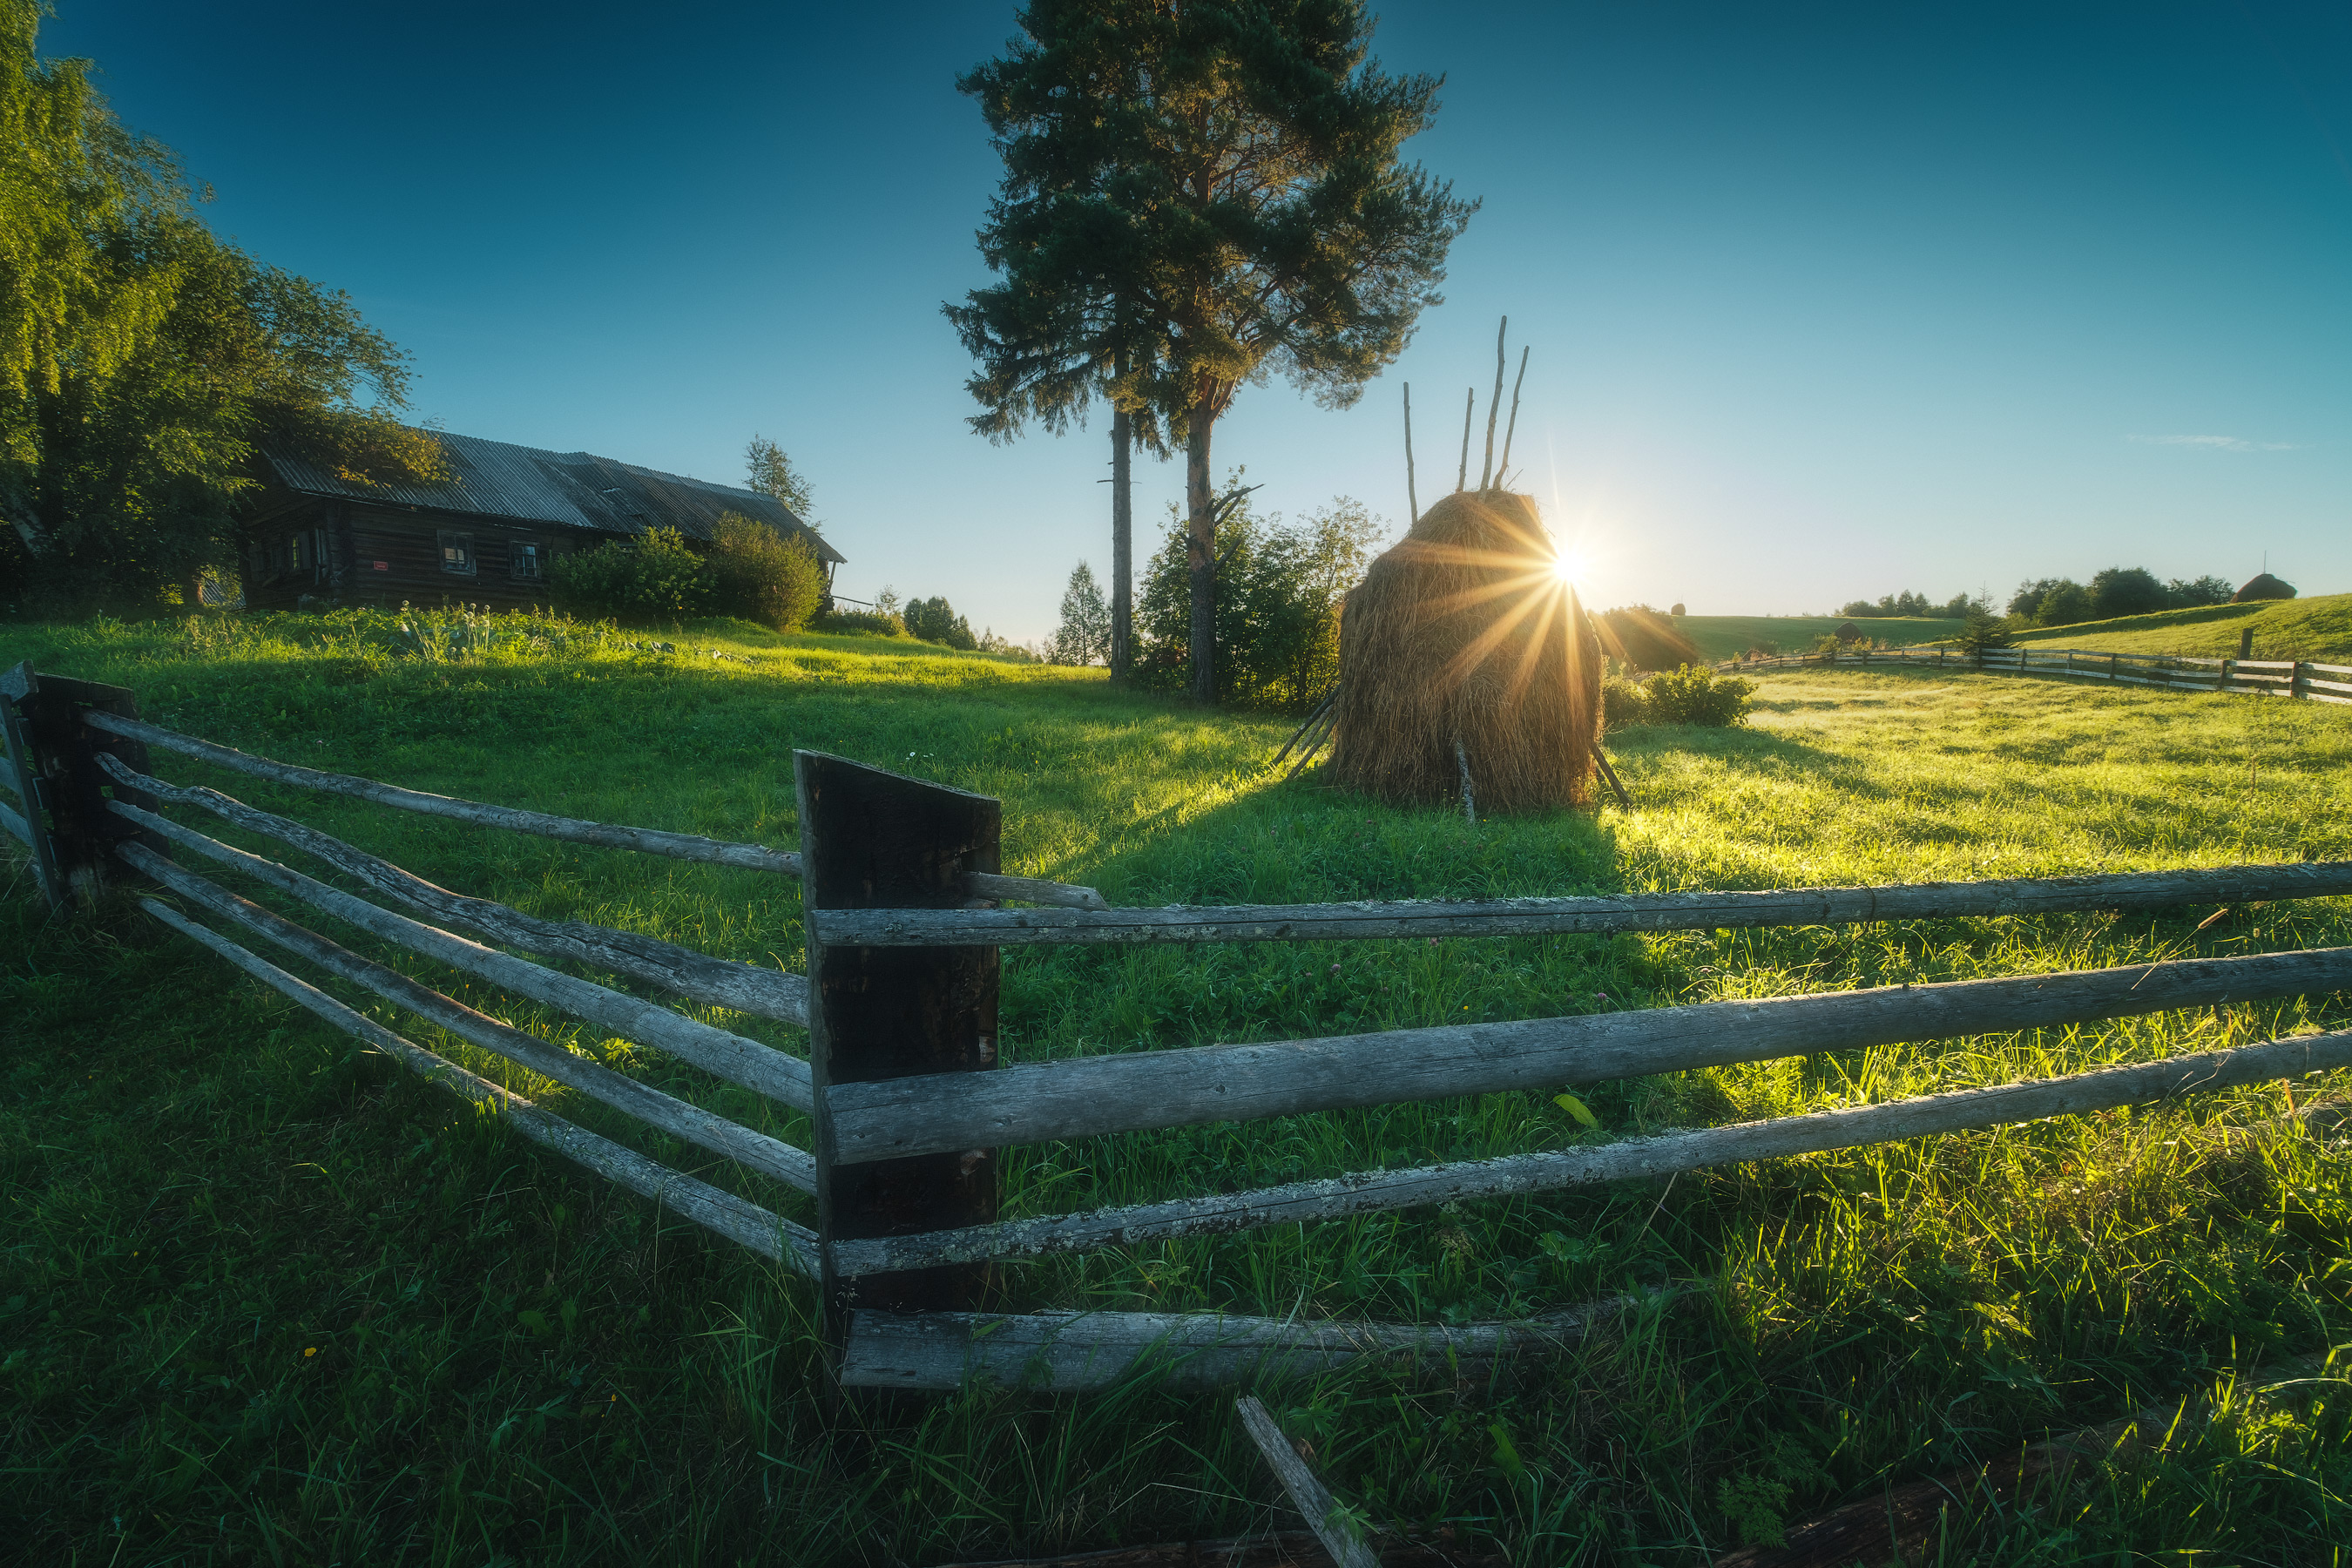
{"x": 1464, "y": 634}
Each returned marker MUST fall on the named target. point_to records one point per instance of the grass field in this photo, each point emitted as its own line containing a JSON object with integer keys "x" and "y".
{"x": 268, "y": 1298}
{"x": 2317, "y": 628}
{"x": 1720, "y": 637}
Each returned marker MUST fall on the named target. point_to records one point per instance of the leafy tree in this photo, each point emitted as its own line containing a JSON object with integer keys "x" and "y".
{"x": 1278, "y": 620}
{"x": 143, "y": 362}
{"x": 935, "y": 620}
{"x": 769, "y": 471}
{"x": 1238, "y": 167}
{"x": 2125, "y": 591}
{"x": 2051, "y": 601}
{"x": 1083, "y": 636}
{"x": 2185, "y": 594}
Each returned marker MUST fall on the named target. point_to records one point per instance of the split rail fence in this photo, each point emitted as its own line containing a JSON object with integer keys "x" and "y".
{"x": 909, "y": 1102}
{"x": 2298, "y": 679}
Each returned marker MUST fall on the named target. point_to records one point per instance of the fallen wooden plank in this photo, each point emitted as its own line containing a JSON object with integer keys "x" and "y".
{"x": 1284, "y": 1548}
{"x": 1596, "y": 915}
{"x": 740, "y": 1221}
{"x": 1065, "y": 1351}
{"x": 1306, "y": 1490}
{"x": 1128, "y": 1091}
{"x": 732, "y": 1056}
{"x": 1366, "y": 1191}
{"x": 771, "y": 1157}
{"x": 724, "y": 982}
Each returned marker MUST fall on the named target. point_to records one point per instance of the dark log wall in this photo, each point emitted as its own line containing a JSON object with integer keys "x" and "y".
{"x": 349, "y": 553}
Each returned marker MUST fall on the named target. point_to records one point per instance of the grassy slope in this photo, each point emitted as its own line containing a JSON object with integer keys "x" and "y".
{"x": 1720, "y": 637}
{"x": 513, "y": 1364}
{"x": 2317, "y": 628}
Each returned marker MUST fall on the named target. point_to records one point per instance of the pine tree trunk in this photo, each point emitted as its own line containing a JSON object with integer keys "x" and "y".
{"x": 1201, "y": 551}
{"x": 1122, "y": 546}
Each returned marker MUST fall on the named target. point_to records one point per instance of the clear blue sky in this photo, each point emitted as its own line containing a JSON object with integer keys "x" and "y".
{"x": 1825, "y": 300}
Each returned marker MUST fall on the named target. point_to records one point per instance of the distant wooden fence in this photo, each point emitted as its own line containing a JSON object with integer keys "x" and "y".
{"x": 2298, "y": 678}
{"x": 910, "y": 1099}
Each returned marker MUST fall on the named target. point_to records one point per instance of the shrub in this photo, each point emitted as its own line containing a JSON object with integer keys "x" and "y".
{"x": 1279, "y": 590}
{"x": 656, "y": 576}
{"x": 935, "y": 620}
{"x": 1623, "y": 703}
{"x": 1696, "y": 694}
{"x": 859, "y": 623}
{"x": 755, "y": 573}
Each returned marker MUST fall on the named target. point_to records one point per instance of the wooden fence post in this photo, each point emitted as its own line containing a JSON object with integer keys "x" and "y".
{"x": 56, "y": 755}
{"x": 874, "y": 840}
{"x": 14, "y": 687}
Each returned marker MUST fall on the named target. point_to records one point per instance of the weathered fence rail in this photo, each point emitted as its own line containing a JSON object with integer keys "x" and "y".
{"x": 2299, "y": 679}
{"x": 909, "y": 1098}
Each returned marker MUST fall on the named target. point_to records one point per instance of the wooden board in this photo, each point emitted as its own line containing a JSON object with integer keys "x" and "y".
{"x": 1597, "y": 915}
{"x": 1128, "y": 1091}
{"x": 1062, "y": 1352}
{"x": 1369, "y": 1192}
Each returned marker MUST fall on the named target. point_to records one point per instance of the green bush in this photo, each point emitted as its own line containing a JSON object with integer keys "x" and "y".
{"x": 657, "y": 576}
{"x": 1623, "y": 703}
{"x": 1280, "y": 588}
{"x": 1698, "y": 695}
{"x": 859, "y": 623}
{"x": 755, "y": 573}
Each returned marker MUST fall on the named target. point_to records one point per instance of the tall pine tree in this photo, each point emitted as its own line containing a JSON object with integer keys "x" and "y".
{"x": 1196, "y": 195}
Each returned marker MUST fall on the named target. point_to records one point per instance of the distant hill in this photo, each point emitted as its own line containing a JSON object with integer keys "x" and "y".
{"x": 2284, "y": 628}
{"x": 1720, "y": 637}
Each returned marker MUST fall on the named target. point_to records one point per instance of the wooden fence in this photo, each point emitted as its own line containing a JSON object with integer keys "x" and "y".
{"x": 909, "y": 1100}
{"x": 2298, "y": 678}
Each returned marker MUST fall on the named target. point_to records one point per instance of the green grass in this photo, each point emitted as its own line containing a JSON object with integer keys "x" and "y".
{"x": 515, "y": 1364}
{"x": 1720, "y": 637}
{"x": 2318, "y": 628}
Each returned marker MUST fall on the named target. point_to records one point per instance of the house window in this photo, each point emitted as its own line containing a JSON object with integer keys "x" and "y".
{"x": 526, "y": 560}
{"x": 457, "y": 553}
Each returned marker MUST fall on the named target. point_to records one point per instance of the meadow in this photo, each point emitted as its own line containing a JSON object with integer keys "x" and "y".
{"x": 1721, "y": 637}
{"x": 267, "y": 1298}
{"x": 2318, "y": 628}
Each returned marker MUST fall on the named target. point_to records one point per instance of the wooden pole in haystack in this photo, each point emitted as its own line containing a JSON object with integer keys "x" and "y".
{"x": 1412, "y": 504}
{"x": 1461, "y": 475}
{"x": 1512, "y": 430}
{"x": 1494, "y": 407}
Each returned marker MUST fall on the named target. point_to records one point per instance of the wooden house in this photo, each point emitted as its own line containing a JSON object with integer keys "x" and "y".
{"x": 486, "y": 536}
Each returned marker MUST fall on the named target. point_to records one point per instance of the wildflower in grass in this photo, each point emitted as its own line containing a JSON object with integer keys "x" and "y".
{"x": 309, "y": 1354}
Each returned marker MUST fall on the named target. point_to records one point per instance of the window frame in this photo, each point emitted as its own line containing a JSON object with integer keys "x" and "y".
{"x": 464, "y": 540}
{"x": 522, "y": 551}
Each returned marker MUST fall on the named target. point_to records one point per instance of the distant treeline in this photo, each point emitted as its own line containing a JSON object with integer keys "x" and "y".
{"x": 1907, "y": 603}
{"x": 2062, "y": 601}
{"x": 2118, "y": 590}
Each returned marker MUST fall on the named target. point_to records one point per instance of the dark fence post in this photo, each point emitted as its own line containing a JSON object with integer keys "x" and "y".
{"x": 56, "y": 753}
{"x": 15, "y": 688}
{"x": 872, "y": 839}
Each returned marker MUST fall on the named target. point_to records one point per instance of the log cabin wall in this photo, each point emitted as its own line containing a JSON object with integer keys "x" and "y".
{"x": 335, "y": 553}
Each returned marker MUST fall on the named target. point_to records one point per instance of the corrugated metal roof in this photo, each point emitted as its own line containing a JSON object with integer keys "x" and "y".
{"x": 575, "y": 490}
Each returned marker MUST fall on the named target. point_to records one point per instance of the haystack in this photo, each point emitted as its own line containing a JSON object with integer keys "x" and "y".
{"x": 2262, "y": 587}
{"x": 1462, "y": 645}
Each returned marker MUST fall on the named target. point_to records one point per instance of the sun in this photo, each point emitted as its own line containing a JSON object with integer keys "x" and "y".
{"x": 1566, "y": 563}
